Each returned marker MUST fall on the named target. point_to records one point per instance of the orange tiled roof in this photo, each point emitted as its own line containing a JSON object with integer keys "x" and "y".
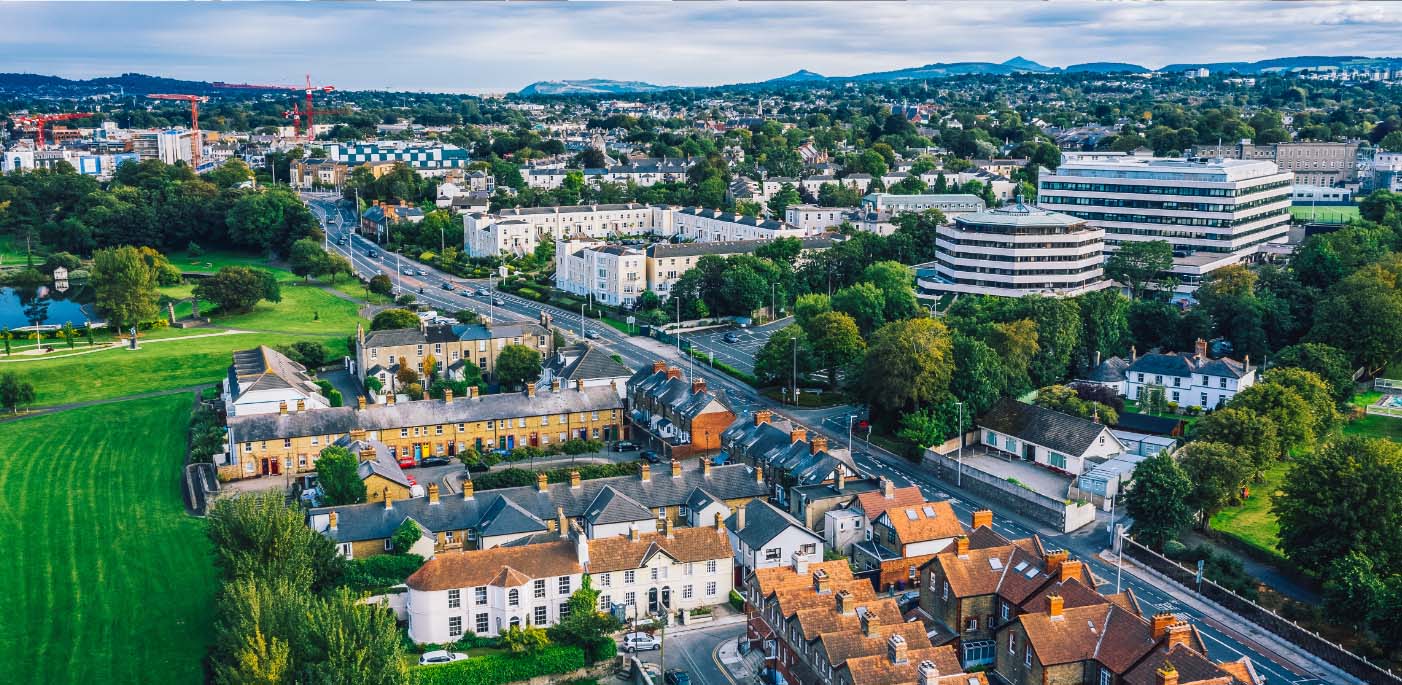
{"x": 875, "y": 503}
{"x": 621, "y": 552}
{"x": 1106, "y": 633}
{"x": 838, "y": 647}
{"x": 768, "y": 580}
{"x": 921, "y": 522}
{"x": 498, "y": 565}
{"x": 877, "y": 669}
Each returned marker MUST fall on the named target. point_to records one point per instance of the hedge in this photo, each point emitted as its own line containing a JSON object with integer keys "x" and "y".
{"x": 380, "y": 571}
{"x": 498, "y": 669}
{"x": 515, "y": 477}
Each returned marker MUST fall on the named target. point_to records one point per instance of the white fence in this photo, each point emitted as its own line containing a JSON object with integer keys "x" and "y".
{"x": 1387, "y": 385}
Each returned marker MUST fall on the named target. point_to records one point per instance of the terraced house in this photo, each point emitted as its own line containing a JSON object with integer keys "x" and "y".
{"x": 683, "y": 418}
{"x": 790, "y": 458}
{"x": 291, "y": 441}
{"x": 602, "y": 507}
{"x": 381, "y": 354}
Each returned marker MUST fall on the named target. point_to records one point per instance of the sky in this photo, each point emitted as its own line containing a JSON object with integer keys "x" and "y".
{"x": 495, "y": 47}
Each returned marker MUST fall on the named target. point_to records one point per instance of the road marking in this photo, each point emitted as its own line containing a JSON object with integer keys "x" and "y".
{"x": 715, "y": 656}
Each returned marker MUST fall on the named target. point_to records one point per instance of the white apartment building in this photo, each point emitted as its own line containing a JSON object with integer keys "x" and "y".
{"x": 612, "y": 274}
{"x": 713, "y": 225}
{"x": 1387, "y": 170}
{"x": 573, "y": 222}
{"x": 1214, "y": 212}
{"x": 486, "y": 591}
{"x": 951, "y": 204}
{"x": 485, "y": 235}
{"x": 666, "y": 262}
{"x": 812, "y": 218}
{"x": 1016, "y": 250}
{"x": 169, "y": 145}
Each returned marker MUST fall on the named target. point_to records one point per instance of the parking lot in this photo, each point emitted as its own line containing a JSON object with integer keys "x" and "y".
{"x": 741, "y": 353}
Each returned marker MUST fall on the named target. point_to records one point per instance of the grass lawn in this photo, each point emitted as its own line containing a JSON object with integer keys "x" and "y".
{"x": 1375, "y": 425}
{"x": 1332, "y": 214}
{"x": 1132, "y": 407}
{"x": 109, "y": 580}
{"x": 1253, "y": 522}
{"x": 304, "y": 310}
{"x": 213, "y": 260}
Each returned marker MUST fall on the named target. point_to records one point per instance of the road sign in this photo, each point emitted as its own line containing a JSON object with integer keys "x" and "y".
{"x": 1199, "y": 576}
{"x": 631, "y": 320}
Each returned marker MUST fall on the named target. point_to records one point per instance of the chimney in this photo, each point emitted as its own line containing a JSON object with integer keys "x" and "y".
{"x": 961, "y": 546}
{"x": 698, "y": 385}
{"x": 676, "y": 469}
{"x": 333, "y": 518}
{"x": 896, "y": 649}
{"x": 1200, "y": 348}
{"x": 843, "y": 603}
{"x": 357, "y": 434}
{"x": 740, "y": 518}
{"x": 1096, "y": 365}
{"x": 1166, "y": 675}
{"x": 433, "y": 493}
{"x": 1133, "y": 354}
{"x": 799, "y": 561}
{"x": 888, "y": 488}
{"x": 983, "y": 518}
{"x": 301, "y": 405}
{"x": 645, "y": 473}
{"x": 1054, "y": 559}
{"x": 562, "y": 523}
{"x": 530, "y": 389}
{"x": 389, "y": 399}
{"x": 817, "y": 445}
{"x": 659, "y": 366}
{"x": 759, "y": 474}
{"x": 797, "y": 434}
{"x": 1246, "y": 364}
{"x": 579, "y": 384}
{"x": 472, "y": 391}
{"x": 821, "y": 582}
{"x": 389, "y": 501}
{"x": 447, "y": 395}
{"x": 1070, "y": 568}
{"x": 282, "y": 408}
{"x": 763, "y": 416}
{"x": 1054, "y": 606}
{"x": 467, "y": 489}
{"x": 667, "y": 528}
{"x": 674, "y": 372}
{"x": 705, "y": 468}
{"x": 1160, "y": 623}
{"x": 633, "y": 533}
{"x": 841, "y": 479}
{"x": 870, "y": 623}
{"x": 720, "y": 521}
{"x": 554, "y": 385}
{"x": 1178, "y": 634}
{"x": 541, "y": 482}
{"x": 929, "y": 673}
{"x": 574, "y": 480}
{"x": 360, "y": 403}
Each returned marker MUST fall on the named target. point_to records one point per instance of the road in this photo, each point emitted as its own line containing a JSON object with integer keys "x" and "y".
{"x": 741, "y": 353}
{"x": 694, "y": 651}
{"x": 1221, "y": 641}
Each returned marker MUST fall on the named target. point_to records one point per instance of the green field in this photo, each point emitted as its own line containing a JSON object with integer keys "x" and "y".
{"x": 1253, "y": 522}
{"x": 110, "y": 581}
{"x": 1334, "y": 214}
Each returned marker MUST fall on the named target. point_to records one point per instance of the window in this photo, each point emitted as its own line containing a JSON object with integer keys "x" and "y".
{"x": 710, "y": 589}
{"x": 1105, "y": 677}
{"x": 1012, "y": 641}
{"x": 482, "y": 626}
{"x": 944, "y": 594}
{"x": 686, "y": 592}
{"x": 711, "y": 566}
{"x": 389, "y": 545}
{"x": 438, "y": 430}
{"x": 1141, "y": 378}
{"x": 564, "y": 585}
{"x": 990, "y": 438}
{"x": 479, "y": 595}
{"x": 1222, "y": 383}
{"x": 539, "y": 587}
{"x": 1175, "y": 381}
{"x": 605, "y": 579}
{"x": 1003, "y": 612}
{"x": 1175, "y": 395}
{"x": 403, "y": 432}
{"x": 773, "y": 554}
{"x": 454, "y": 599}
{"x": 287, "y": 442}
{"x": 1027, "y": 655}
{"x": 539, "y": 618}
{"x": 810, "y": 548}
{"x": 564, "y": 610}
{"x": 605, "y": 602}
{"x": 513, "y": 598}
{"x": 545, "y": 420}
{"x": 971, "y": 625}
{"x": 629, "y": 599}
{"x": 629, "y": 577}
{"x": 454, "y": 626}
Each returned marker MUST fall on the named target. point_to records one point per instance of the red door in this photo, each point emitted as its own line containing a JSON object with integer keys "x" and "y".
{"x": 277, "y": 466}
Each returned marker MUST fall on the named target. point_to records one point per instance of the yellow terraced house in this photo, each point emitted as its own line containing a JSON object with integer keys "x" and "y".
{"x": 290, "y": 441}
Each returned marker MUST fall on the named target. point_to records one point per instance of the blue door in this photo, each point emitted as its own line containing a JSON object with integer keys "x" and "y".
{"x": 511, "y": 442}
{"x": 418, "y": 453}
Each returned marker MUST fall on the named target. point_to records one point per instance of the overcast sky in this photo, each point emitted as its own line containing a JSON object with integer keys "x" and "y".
{"x": 504, "y": 46}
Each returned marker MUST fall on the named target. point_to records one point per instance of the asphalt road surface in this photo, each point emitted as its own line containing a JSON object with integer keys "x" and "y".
{"x": 741, "y": 353}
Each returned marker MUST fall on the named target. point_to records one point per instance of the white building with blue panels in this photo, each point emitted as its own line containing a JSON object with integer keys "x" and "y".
{"x": 417, "y": 157}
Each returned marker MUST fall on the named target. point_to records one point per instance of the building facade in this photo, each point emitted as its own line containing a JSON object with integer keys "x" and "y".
{"x": 612, "y": 274}
{"x": 381, "y": 354}
{"x": 1190, "y": 380}
{"x": 1317, "y": 164}
{"x": 683, "y": 417}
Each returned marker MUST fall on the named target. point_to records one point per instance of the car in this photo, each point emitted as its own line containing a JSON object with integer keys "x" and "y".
{"x": 731, "y": 337}
{"x": 678, "y": 677}
{"x": 483, "y": 292}
{"x": 625, "y": 446}
{"x": 423, "y": 272}
{"x": 372, "y": 254}
{"x": 650, "y": 457}
{"x": 447, "y": 286}
{"x": 421, "y": 290}
{"x": 440, "y": 656}
{"x": 497, "y": 301}
{"x": 592, "y": 335}
{"x": 435, "y": 461}
{"x": 908, "y": 600}
{"x": 502, "y": 452}
{"x": 341, "y": 240}
{"x": 640, "y": 642}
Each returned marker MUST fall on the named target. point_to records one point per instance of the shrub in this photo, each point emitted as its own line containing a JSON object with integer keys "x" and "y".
{"x": 514, "y": 477}
{"x": 1174, "y": 549}
{"x": 497, "y": 669}
{"x": 374, "y": 574}
{"x": 737, "y": 601}
{"x": 193, "y": 249}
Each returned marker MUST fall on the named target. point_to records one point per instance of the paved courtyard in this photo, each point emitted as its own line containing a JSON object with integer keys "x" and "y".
{"x": 1004, "y": 466}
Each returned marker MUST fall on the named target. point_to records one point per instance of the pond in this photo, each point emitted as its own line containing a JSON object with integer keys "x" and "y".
{"x": 24, "y": 306}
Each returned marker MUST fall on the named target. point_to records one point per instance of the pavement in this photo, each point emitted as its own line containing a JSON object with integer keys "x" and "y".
{"x": 1278, "y": 665}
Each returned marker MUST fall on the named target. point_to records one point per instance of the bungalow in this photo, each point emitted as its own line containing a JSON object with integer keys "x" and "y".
{"x": 1060, "y": 441}
{"x": 263, "y": 381}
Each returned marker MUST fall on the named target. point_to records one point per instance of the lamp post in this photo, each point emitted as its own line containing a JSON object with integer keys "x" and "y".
{"x": 1119, "y": 554}
{"x": 850, "y": 417}
{"x": 794, "y": 344}
{"x": 959, "y": 478}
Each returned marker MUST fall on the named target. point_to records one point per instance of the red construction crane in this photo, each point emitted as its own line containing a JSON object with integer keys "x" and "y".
{"x": 309, "y": 88}
{"x": 295, "y": 114}
{"x": 38, "y": 121}
{"x": 195, "y": 142}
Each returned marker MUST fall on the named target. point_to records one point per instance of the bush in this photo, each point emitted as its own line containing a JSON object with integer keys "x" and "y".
{"x": 308, "y": 353}
{"x": 1174, "y": 549}
{"x": 206, "y": 435}
{"x": 497, "y": 669}
{"x": 513, "y": 477}
{"x": 193, "y": 249}
{"x": 576, "y": 446}
{"x": 737, "y": 601}
{"x": 374, "y": 574}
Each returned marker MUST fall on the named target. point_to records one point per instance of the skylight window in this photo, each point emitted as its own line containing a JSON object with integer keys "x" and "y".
{"x": 1031, "y": 572}
{"x": 1020, "y": 566}
{"x": 996, "y": 563}
{"x": 910, "y": 514}
{"x": 930, "y": 512}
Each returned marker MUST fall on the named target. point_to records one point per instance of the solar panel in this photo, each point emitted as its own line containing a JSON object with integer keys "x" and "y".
{"x": 1020, "y": 565}
{"x": 996, "y": 563}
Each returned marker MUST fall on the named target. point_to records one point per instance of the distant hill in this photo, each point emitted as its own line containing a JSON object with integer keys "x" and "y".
{"x": 1287, "y": 63}
{"x": 593, "y": 86}
{"x": 800, "y": 75}
{"x": 137, "y": 84}
{"x": 1020, "y": 63}
{"x": 1105, "y": 68}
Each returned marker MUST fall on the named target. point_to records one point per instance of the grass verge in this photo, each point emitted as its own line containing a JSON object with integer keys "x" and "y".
{"x": 1253, "y": 524}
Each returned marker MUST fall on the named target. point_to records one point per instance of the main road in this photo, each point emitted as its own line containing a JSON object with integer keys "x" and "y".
{"x": 1224, "y": 642}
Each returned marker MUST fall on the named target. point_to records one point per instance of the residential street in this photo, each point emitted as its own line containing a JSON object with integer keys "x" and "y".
{"x": 694, "y": 650}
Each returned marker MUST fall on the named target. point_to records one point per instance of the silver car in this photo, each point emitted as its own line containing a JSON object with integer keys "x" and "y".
{"x": 440, "y": 656}
{"x": 640, "y": 642}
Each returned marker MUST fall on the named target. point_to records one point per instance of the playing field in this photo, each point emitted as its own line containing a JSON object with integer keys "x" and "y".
{"x": 1330, "y": 214}
{"x": 108, "y": 581}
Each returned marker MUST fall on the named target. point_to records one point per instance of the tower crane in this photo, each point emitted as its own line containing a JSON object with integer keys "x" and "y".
{"x": 38, "y": 121}
{"x": 309, "y": 88}
{"x": 195, "y": 140}
{"x": 295, "y": 114}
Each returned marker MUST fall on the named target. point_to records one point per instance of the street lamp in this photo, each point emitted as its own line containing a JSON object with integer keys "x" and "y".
{"x": 850, "y": 417}
{"x": 959, "y": 478}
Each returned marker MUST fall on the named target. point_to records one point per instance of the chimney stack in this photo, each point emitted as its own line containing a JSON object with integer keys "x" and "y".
{"x": 1054, "y": 606}
{"x": 821, "y": 582}
{"x": 888, "y": 488}
{"x": 472, "y": 391}
{"x": 896, "y": 649}
{"x": 674, "y": 373}
{"x": 447, "y": 395}
{"x": 698, "y": 385}
{"x": 658, "y": 366}
{"x": 579, "y": 384}
{"x": 667, "y": 528}
{"x": 676, "y": 469}
{"x": 841, "y": 479}
{"x": 333, "y": 518}
{"x": 1166, "y": 675}
{"x": 633, "y": 533}
{"x": 740, "y": 518}
{"x": 562, "y": 523}
{"x": 645, "y": 473}
{"x": 282, "y": 408}
{"x": 870, "y": 623}
{"x": 574, "y": 480}
{"x": 530, "y": 389}
{"x": 389, "y": 399}
{"x": 1160, "y": 623}
{"x": 1200, "y": 348}
{"x": 357, "y": 434}
{"x": 432, "y": 493}
{"x": 360, "y": 403}
{"x": 1070, "y": 569}
{"x": 1054, "y": 559}
{"x": 961, "y": 546}
{"x": 759, "y": 474}
{"x": 843, "y": 603}
{"x": 554, "y": 385}
{"x": 798, "y": 433}
{"x": 467, "y": 489}
{"x": 389, "y": 500}
{"x": 720, "y": 521}
{"x": 983, "y": 518}
{"x": 541, "y": 483}
{"x": 1178, "y": 634}
{"x": 705, "y": 467}
{"x": 1133, "y": 354}
{"x": 929, "y": 673}
{"x": 799, "y": 560}
{"x": 817, "y": 445}
{"x": 762, "y": 416}
{"x": 301, "y": 405}
{"x": 1246, "y": 364}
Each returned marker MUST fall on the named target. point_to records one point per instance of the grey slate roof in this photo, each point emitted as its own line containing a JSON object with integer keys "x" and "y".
{"x": 592, "y": 363}
{"x": 700, "y": 499}
{"x": 264, "y": 368}
{"x": 672, "y": 392}
{"x": 1111, "y": 370}
{"x": 1054, "y": 430}
{"x": 763, "y": 522}
{"x": 725, "y": 247}
{"x": 612, "y": 506}
{"x": 397, "y": 337}
{"x": 383, "y": 465}
{"x": 1185, "y": 364}
{"x": 373, "y": 521}
{"x": 505, "y": 517}
{"x": 340, "y": 420}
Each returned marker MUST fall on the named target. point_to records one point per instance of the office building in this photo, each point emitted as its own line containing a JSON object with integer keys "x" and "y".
{"x": 1316, "y": 164}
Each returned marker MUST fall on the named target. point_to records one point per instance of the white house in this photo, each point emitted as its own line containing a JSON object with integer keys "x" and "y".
{"x": 263, "y": 380}
{"x": 843, "y": 528}
{"x": 763, "y": 536}
{"x": 615, "y": 275}
{"x": 1060, "y": 441}
{"x": 1191, "y": 380}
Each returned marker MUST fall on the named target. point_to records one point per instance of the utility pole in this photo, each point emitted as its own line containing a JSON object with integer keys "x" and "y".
{"x": 1120, "y": 555}
{"x": 959, "y": 479}
{"x": 794, "y": 344}
{"x": 582, "y": 336}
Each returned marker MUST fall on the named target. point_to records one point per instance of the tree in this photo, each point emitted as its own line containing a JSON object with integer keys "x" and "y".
{"x": 125, "y": 287}
{"x": 15, "y": 392}
{"x": 785, "y": 353}
{"x": 230, "y": 174}
{"x": 261, "y": 535}
{"x": 780, "y": 250}
{"x": 1058, "y": 322}
{"x": 864, "y": 303}
{"x": 808, "y": 306}
{"x": 782, "y": 200}
{"x": 1341, "y": 499}
{"x": 308, "y": 258}
{"x": 430, "y": 363}
{"x": 1158, "y": 500}
{"x": 1363, "y": 314}
{"x": 381, "y": 285}
{"x": 527, "y": 640}
{"x": 1353, "y": 590}
{"x": 405, "y": 536}
{"x": 1253, "y": 434}
{"x": 68, "y": 333}
{"x": 585, "y": 626}
{"x": 1015, "y": 342}
{"x": 1330, "y": 363}
{"x": 1140, "y": 264}
{"x": 337, "y": 471}
{"x": 335, "y": 265}
{"x": 391, "y": 319}
{"x": 406, "y": 376}
{"x": 908, "y": 365}
{"x": 237, "y": 289}
{"x": 836, "y": 343}
{"x": 1218, "y": 472}
{"x": 1067, "y": 400}
{"x": 1314, "y": 391}
{"x": 896, "y": 282}
{"x": 517, "y": 364}
{"x": 1104, "y": 324}
{"x": 272, "y": 220}
{"x": 1295, "y": 424}
{"x": 979, "y": 378}
{"x": 61, "y": 259}
{"x": 353, "y": 642}
{"x": 931, "y": 426}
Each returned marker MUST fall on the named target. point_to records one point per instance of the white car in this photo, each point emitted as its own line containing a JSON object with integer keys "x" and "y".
{"x": 640, "y": 642}
{"x": 440, "y": 656}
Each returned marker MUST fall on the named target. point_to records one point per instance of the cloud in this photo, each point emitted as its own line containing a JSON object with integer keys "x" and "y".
{"x": 502, "y": 46}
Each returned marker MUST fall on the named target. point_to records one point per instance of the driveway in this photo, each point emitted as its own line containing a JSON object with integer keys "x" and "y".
{"x": 342, "y": 380}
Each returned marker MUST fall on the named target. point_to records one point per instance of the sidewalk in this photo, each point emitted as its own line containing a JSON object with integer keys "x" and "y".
{"x": 743, "y": 668}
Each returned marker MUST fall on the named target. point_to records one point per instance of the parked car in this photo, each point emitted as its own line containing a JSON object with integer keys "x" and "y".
{"x": 650, "y": 457}
{"x": 731, "y": 337}
{"x": 502, "y": 452}
{"x": 908, "y": 600}
{"x": 497, "y": 301}
{"x": 678, "y": 677}
{"x": 435, "y": 461}
{"x": 640, "y": 642}
{"x": 625, "y": 446}
{"x": 440, "y": 656}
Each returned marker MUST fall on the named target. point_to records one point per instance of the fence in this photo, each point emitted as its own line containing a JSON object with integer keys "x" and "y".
{"x": 1379, "y": 410}
{"x": 1286, "y": 629}
{"x": 1387, "y": 385}
{"x": 1064, "y": 516}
